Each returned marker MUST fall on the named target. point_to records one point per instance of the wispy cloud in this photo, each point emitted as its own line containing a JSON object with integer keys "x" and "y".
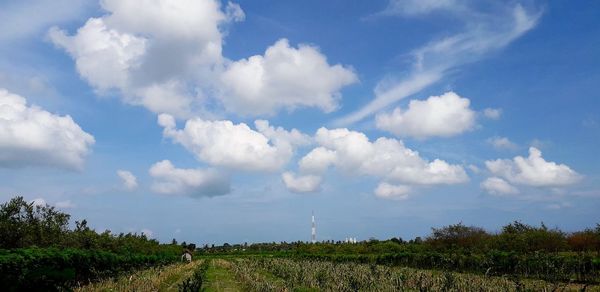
{"x": 502, "y": 143}
{"x": 484, "y": 33}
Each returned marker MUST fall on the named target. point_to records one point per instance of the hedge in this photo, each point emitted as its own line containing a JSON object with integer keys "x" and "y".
{"x": 52, "y": 269}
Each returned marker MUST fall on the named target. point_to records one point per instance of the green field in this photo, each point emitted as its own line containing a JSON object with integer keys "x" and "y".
{"x": 285, "y": 274}
{"x": 39, "y": 252}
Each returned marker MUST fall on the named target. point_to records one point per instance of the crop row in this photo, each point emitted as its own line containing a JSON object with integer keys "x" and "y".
{"x": 582, "y": 268}
{"x": 263, "y": 274}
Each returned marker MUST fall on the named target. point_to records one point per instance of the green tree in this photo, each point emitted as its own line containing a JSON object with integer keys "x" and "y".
{"x": 24, "y": 224}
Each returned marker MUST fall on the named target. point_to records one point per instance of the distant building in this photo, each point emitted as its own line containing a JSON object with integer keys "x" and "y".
{"x": 186, "y": 256}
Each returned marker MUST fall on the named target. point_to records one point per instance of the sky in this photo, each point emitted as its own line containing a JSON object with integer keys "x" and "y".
{"x": 212, "y": 121}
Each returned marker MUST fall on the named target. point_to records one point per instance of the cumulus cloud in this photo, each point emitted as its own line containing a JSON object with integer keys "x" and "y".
{"x": 301, "y": 184}
{"x": 235, "y": 146}
{"x": 486, "y": 31}
{"x": 352, "y": 153}
{"x": 103, "y": 56}
{"x": 498, "y": 186}
{"x": 191, "y": 182}
{"x": 30, "y": 135}
{"x": 502, "y": 143}
{"x": 533, "y": 171}
{"x": 129, "y": 180}
{"x": 152, "y": 52}
{"x": 285, "y": 77}
{"x": 388, "y": 191}
{"x": 492, "y": 113}
{"x": 443, "y": 116}
{"x": 280, "y": 135}
{"x": 317, "y": 160}
{"x": 167, "y": 57}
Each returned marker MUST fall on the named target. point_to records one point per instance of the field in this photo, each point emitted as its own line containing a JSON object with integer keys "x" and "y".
{"x": 40, "y": 252}
{"x": 286, "y": 274}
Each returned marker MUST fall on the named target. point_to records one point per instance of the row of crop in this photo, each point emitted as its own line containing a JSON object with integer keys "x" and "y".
{"x": 278, "y": 274}
{"x": 546, "y": 266}
{"x": 196, "y": 280}
{"x": 51, "y": 269}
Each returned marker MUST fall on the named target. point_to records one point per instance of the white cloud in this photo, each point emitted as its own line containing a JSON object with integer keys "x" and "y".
{"x": 62, "y": 204}
{"x": 103, "y": 56}
{"x": 418, "y": 7}
{"x": 317, "y": 160}
{"x": 65, "y": 204}
{"x": 492, "y": 113}
{"x": 191, "y": 182}
{"x": 149, "y": 233}
{"x": 533, "y": 171}
{"x": 235, "y": 146}
{"x": 498, "y": 186}
{"x": 39, "y": 202}
{"x": 301, "y": 184}
{"x": 388, "y": 159}
{"x": 444, "y": 116}
{"x": 129, "y": 180}
{"x": 30, "y": 135}
{"x": 474, "y": 168}
{"x": 389, "y": 191}
{"x": 285, "y": 77}
{"x": 167, "y": 57}
{"x": 280, "y": 136}
{"x": 234, "y": 12}
{"x": 154, "y": 52}
{"x": 502, "y": 143}
{"x": 487, "y": 31}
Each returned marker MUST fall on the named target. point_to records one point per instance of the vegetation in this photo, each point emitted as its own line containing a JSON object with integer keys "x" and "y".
{"x": 38, "y": 251}
{"x": 163, "y": 278}
{"x": 196, "y": 280}
{"x": 519, "y": 250}
{"x": 264, "y": 274}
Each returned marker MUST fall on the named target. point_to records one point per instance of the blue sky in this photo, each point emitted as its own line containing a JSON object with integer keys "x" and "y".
{"x": 407, "y": 115}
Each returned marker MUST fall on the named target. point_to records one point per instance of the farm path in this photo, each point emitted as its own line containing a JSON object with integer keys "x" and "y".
{"x": 220, "y": 278}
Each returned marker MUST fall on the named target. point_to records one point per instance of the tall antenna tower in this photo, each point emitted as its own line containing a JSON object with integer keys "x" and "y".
{"x": 314, "y": 229}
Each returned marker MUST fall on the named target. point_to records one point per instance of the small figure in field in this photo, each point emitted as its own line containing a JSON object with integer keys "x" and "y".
{"x": 186, "y": 256}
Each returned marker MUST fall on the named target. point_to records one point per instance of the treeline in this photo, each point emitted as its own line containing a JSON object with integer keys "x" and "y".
{"x": 39, "y": 252}
{"x": 518, "y": 250}
{"x": 515, "y": 237}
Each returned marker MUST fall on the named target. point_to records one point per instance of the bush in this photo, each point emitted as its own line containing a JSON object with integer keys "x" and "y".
{"x": 51, "y": 269}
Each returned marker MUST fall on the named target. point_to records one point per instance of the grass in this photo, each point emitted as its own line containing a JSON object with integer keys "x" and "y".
{"x": 220, "y": 278}
{"x": 154, "y": 279}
